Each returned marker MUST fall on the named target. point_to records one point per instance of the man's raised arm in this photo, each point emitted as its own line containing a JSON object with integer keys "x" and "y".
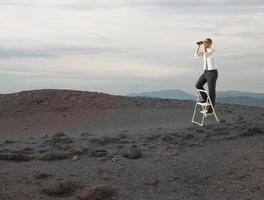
{"x": 197, "y": 54}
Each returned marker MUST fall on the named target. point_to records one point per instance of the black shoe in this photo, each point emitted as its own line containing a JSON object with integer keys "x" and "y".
{"x": 209, "y": 111}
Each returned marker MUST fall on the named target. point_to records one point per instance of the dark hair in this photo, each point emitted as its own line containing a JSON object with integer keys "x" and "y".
{"x": 209, "y": 40}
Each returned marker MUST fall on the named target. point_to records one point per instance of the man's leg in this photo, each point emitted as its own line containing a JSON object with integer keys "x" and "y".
{"x": 211, "y": 81}
{"x": 199, "y": 85}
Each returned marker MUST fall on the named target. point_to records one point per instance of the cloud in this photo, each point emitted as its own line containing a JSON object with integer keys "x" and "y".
{"x": 21, "y": 3}
{"x": 176, "y": 5}
{"x": 57, "y": 51}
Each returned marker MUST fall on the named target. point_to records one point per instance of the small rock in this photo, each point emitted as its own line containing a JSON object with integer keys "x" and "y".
{"x": 75, "y": 157}
{"x": 152, "y": 136}
{"x": 199, "y": 130}
{"x": 50, "y": 156}
{"x": 251, "y": 168}
{"x": 58, "y": 134}
{"x": 15, "y": 156}
{"x": 98, "y": 153}
{"x": 41, "y": 175}
{"x": 78, "y": 151}
{"x": 94, "y": 140}
{"x": 252, "y": 131}
{"x": 9, "y": 141}
{"x": 167, "y": 138}
{"x": 116, "y": 158}
{"x": 99, "y": 193}
{"x": 64, "y": 188}
{"x": 122, "y": 135}
{"x": 59, "y": 139}
{"x": 222, "y": 121}
{"x": 86, "y": 134}
{"x": 132, "y": 153}
{"x": 45, "y": 136}
{"x": 187, "y": 137}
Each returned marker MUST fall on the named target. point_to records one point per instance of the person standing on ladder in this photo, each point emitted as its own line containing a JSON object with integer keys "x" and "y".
{"x": 210, "y": 73}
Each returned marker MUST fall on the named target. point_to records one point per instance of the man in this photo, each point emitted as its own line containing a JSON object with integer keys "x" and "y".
{"x": 210, "y": 73}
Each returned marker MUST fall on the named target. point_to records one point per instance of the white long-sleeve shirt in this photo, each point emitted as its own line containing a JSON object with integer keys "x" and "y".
{"x": 208, "y": 58}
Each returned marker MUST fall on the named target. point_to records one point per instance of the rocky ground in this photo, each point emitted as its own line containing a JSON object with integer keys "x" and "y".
{"x": 114, "y": 147}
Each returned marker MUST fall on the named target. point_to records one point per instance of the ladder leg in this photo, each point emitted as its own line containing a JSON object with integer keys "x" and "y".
{"x": 194, "y": 110}
{"x": 213, "y": 109}
{"x": 197, "y": 99}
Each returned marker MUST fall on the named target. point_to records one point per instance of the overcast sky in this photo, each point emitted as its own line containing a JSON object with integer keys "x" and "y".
{"x": 127, "y": 46}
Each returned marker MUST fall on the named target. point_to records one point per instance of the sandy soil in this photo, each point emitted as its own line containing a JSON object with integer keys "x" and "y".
{"x": 56, "y": 143}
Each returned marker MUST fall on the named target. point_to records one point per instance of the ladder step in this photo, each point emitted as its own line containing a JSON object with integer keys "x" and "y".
{"x": 203, "y": 112}
{"x": 203, "y": 104}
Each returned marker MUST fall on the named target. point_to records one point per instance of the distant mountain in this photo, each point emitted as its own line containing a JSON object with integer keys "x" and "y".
{"x": 241, "y": 98}
{"x": 236, "y": 93}
{"x": 247, "y": 101}
{"x": 171, "y": 94}
{"x": 229, "y": 96}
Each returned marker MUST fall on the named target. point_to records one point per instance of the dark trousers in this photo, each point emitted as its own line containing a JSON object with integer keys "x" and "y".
{"x": 209, "y": 76}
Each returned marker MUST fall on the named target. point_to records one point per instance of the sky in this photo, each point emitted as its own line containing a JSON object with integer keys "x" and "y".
{"x": 129, "y": 46}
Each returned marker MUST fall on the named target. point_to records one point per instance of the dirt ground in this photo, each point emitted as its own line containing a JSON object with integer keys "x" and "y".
{"x": 56, "y": 143}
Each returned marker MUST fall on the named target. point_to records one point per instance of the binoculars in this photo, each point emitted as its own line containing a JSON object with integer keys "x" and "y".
{"x": 200, "y": 42}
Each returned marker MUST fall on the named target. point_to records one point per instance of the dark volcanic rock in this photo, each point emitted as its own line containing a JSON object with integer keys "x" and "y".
{"x": 78, "y": 151}
{"x": 167, "y": 137}
{"x": 260, "y": 116}
{"x": 122, "y": 135}
{"x": 59, "y": 138}
{"x": 15, "y": 156}
{"x": 99, "y": 193}
{"x": 222, "y": 121}
{"x": 187, "y": 137}
{"x": 64, "y": 188}
{"x": 252, "y": 131}
{"x": 152, "y": 136}
{"x": 199, "y": 130}
{"x": 132, "y": 152}
{"x": 50, "y": 156}
{"x": 59, "y": 134}
{"x": 45, "y": 136}
{"x": 9, "y": 141}
{"x": 94, "y": 140}
{"x": 86, "y": 134}
{"x": 98, "y": 153}
{"x": 172, "y": 138}
{"x": 107, "y": 140}
{"x": 59, "y": 141}
{"x": 41, "y": 175}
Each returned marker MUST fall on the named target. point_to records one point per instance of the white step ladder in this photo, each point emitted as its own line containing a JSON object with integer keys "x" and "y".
{"x": 205, "y": 105}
